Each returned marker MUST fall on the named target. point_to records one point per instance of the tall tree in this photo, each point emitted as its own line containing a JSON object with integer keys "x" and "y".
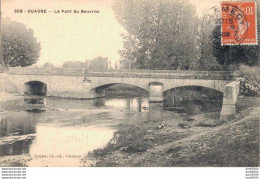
{"x": 206, "y": 60}
{"x": 48, "y": 65}
{"x": 74, "y": 64}
{"x": 98, "y": 63}
{"x": 160, "y": 34}
{"x": 127, "y": 52}
{"x": 19, "y": 45}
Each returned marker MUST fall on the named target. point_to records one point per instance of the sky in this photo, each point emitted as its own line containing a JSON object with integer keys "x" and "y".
{"x": 75, "y": 36}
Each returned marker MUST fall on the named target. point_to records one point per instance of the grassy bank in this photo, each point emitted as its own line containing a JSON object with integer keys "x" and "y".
{"x": 157, "y": 143}
{"x": 15, "y": 161}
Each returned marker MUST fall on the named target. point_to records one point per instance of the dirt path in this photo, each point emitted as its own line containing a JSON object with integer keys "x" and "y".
{"x": 253, "y": 117}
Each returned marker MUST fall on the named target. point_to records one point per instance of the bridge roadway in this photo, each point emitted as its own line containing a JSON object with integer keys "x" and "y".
{"x": 82, "y": 84}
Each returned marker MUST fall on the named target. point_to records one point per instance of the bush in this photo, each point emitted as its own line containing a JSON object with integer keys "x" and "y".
{"x": 251, "y": 84}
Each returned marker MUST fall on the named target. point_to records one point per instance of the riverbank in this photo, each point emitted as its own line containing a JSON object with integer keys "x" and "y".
{"x": 15, "y": 161}
{"x": 158, "y": 144}
{"x": 4, "y": 97}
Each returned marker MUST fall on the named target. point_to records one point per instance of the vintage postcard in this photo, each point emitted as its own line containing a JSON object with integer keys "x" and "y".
{"x": 127, "y": 83}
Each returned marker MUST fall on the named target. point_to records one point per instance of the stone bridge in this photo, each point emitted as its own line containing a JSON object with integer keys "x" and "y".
{"x": 82, "y": 84}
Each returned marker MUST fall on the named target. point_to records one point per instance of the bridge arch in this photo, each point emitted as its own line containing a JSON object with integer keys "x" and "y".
{"x": 218, "y": 85}
{"x": 107, "y": 85}
{"x": 35, "y": 88}
{"x": 190, "y": 86}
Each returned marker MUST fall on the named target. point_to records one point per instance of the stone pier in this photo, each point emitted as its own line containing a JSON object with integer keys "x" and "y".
{"x": 230, "y": 95}
{"x": 88, "y": 93}
{"x": 155, "y": 92}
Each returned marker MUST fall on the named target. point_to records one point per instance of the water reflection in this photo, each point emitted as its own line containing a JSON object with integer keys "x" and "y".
{"x": 16, "y": 148}
{"x": 14, "y": 130}
{"x": 65, "y": 146}
{"x": 136, "y": 104}
{"x": 75, "y": 127}
{"x": 17, "y": 123}
{"x": 191, "y": 102}
{"x": 35, "y": 103}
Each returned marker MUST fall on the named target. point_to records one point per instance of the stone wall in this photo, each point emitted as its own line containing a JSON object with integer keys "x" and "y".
{"x": 56, "y": 85}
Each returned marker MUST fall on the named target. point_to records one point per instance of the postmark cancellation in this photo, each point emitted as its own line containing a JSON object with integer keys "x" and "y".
{"x": 239, "y": 23}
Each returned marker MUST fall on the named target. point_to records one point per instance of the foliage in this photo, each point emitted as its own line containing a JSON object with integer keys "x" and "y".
{"x": 116, "y": 65}
{"x": 160, "y": 33}
{"x": 48, "y": 65}
{"x": 98, "y": 63}
{"x": 74, "y": 64}
{"x": 120, "y": 90}
{"x": 19, "y": 46}
{"x": 206, "y": 60}
{"x": 251, "y": 84}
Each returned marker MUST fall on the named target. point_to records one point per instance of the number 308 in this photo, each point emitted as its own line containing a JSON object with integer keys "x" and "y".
{"x": 18, "y": 11}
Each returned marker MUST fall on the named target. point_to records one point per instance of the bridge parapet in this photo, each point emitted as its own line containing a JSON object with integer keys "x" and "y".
{"x": 167, "y": 74}
{"x": 47, "y": 71}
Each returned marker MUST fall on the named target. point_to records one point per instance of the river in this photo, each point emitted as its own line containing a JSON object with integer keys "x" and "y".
{"x": 69, "y": 129}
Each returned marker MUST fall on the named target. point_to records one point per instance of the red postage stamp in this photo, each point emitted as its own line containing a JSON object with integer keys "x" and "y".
{"x": 239, "y": 24}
